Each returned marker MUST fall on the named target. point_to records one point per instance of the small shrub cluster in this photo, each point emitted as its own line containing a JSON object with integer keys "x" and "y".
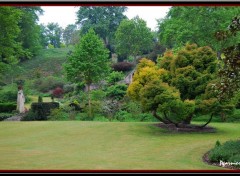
{"x": 117, "y": 91}
{"x": 67, "y": 88}
{"x": 63, "y": 113}
{"x": 227, "y": 152}
{"x": 123, "y": 66}
{"x": 114, "y": 77}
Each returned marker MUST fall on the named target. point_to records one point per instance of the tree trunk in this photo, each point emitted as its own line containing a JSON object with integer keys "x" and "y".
{"x": 188, "y": 119}
{"x": 160, "y": 118}
{"x": 219, "y": 55}
{"x": 90, "y": 115}
{"x": 202, "y": 126}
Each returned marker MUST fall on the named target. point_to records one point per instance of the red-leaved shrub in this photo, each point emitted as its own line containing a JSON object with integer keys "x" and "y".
{"x": 122, "y": 66}
{"x": 58, "y": 92}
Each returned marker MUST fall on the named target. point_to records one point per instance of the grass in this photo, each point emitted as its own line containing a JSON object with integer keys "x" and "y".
{"x": 78, "y": 145}
{"x": 47, "y": 62}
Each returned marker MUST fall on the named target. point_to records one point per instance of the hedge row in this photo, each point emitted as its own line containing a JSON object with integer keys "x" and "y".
{"x": 8, "y": 107}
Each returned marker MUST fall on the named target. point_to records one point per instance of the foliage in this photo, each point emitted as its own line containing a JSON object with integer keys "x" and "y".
{"x": 227, "y": 152}
{"x": 117, "y": 91}
{"x": 103, "y": 19}
{"x": 192, "y": 68}
{"x": 69, "y": 34}
{"x": 110, "y": 107}
{"x": 30, "y": 116}
{"x": 8, "y": 107}
{"x": 170, "y": 87}
{"x": 63, "y": 113}
{"x": 114, "y": 77}
{"x": 157, "y": 51}
{"x": 4, "y": 115}
{"x": 54, "y": 33}
{"x": 229, "y": 82}
{"x": 122, "y": 66}
{"x": 8, "y": 93}
{"x": 30, "y": 30}
{"x": 40, "y": 99}
{"x": 10, "y": 48}
{"x": 46, "y": 84}
{"x": 88, "y": 62}
{"x": 67, "y": 88}
{"x": 138, "y": 40}
{"x": 157, "y": 96}
{"x": 58, "y": 92}
{"x": 181, "y": 25}
{"x": 41, "y": 110}
{"x": 19, "y": 38}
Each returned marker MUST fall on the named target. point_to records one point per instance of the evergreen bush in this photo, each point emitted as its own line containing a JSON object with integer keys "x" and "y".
{"x": 225, "y": 151}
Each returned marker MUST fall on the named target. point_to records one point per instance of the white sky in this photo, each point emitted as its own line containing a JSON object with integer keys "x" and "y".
{"x": 64, "y": 15}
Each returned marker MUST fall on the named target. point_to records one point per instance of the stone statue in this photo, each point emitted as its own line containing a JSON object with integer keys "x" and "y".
{"x": 20, "y": 100}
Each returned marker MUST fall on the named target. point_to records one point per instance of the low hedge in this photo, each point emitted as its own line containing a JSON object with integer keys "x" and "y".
{"x": 4, "y": 116}
{"x": 8, "y": 107}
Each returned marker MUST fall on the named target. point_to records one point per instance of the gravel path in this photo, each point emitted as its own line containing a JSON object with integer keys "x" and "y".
{"x": 15, "y": 118}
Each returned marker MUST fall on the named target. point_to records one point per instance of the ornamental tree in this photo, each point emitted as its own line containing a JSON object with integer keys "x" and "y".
{"x": 162, "y": 100}
{"x": 88, "y": 62}
{"x": 174, "y": 89}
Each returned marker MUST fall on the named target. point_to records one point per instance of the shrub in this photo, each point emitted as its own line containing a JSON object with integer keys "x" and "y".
{"x": 98, "y": 94}
{"x": 40, "y": 99}
{"x": 123, "y": 66}
{"x": 117, "y": 91}
{"x": 8, "y": 94}
{"x": 122, "y": 116}
{"x": 8, "y": 107}
{"x": 30, "y": 116}
{"x": 235, "y": 159}
{"x": 48, "y": 83}
{"x": 110, "y": 107}
{"x": 4, "y": 116}
{"x": 114, "y": 77}
{"x": 42, "y": 110}
{"x": 68, "y": 88}
{"x": 225, "y": 151}
{"x": 100, "y": 118}
{"x": 58, "y": 92}
{"x": 58, "y": 114}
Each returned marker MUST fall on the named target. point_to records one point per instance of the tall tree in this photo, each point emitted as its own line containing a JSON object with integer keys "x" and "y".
{"x": 54, "y": 34}
{"x": 43, "y": 36}
{"x": 133, "y": 37}
{"x": 69, "y": 34}
{"x": 229, "y": 73}
{"x": 10, "y": 48}
{"x": 103, "y": 19}
{"x": 30, "y": 30}
{"x": 89, "y": 62}
{"x": 196, "y": 25}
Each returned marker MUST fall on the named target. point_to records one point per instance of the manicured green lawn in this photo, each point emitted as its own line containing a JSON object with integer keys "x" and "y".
{"x": 78, "y": 145}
